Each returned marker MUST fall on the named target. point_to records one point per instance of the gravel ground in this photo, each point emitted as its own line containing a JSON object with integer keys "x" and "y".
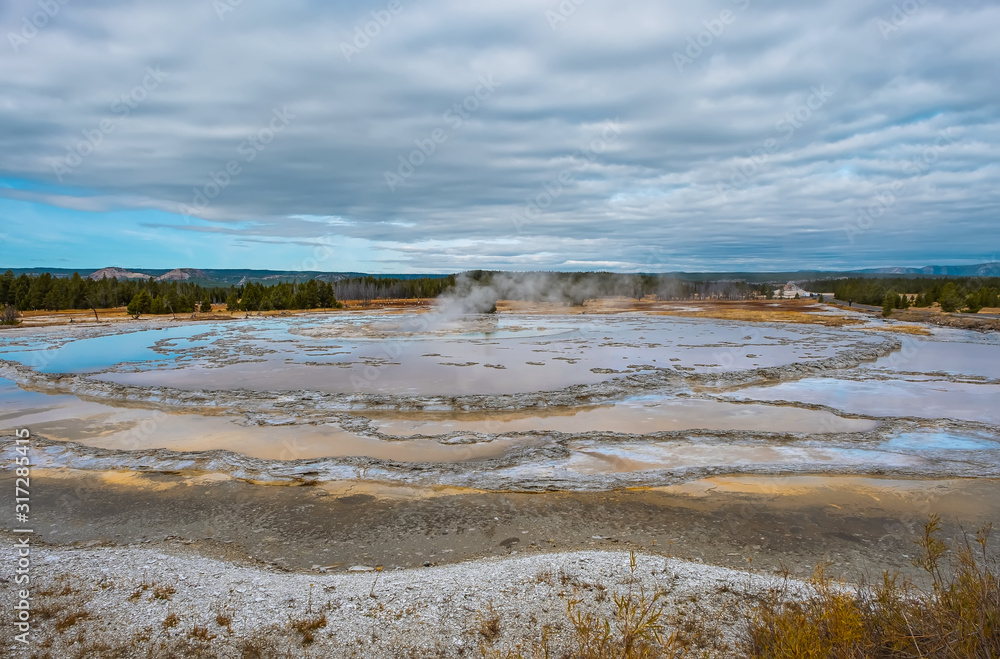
{"x": 121, "y": 602}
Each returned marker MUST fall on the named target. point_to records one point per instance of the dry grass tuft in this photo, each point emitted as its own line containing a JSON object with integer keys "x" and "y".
{"x": 489, "y": 625}
{"x": 140, "y": 589}
{"x": 171, "y": 620}
{"x": 762, "y": 314}
{"x": 900, "y": 329}
{"x": 307, "y": 627}
{"x": 71, "y": 618}
{"x": 201, "y": 633}
{"x": 545, "y": 576}
{"x": 223, "y": 618}
{"x": 959, "y": 617}
{"x": 635, "y": 632}
{"x": 163, "y": 592}
{"x": 258, "y": 646}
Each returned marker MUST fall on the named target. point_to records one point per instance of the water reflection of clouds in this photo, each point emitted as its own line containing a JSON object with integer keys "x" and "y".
{"x": 537, "y": 352}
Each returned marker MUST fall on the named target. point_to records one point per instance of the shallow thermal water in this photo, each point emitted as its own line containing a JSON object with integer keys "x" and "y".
{"x": 67, "y": 418}
{"x": 655, "y": 435}
{"x": 954, "y": 353}
{"x": 658, "y": 456}
{"x": 642, "y": 416}
{"x": 96, "y": 353}
{"x": 410, "y": 354}
{"x": 927, "y": 399}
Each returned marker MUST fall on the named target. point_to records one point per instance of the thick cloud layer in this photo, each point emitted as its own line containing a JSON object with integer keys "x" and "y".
{"x": 445, "y": 135}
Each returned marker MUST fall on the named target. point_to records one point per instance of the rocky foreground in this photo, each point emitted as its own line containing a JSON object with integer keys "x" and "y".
{"x": 131, "y": 601}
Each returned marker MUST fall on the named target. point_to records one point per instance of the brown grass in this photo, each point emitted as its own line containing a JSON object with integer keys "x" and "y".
{"x": 958, "y": 617}
{"x": 635, "y": 630}
{"x": 763, "y": 315}
{"x": 171, "y": 620}
{"x": 307, "y": 627}
{"x": 765, "y": 311}
{"x": 224, "y": 618}
{"x": 120, "y": 315}
{"x": 489, "y": 625}
{"x": 201, "y": 633}
{"x": 71, "y": 618}
{"x": 164, "y": 592}
{"x": 902, "y": 329}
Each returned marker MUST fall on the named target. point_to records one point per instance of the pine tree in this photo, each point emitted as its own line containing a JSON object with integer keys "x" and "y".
{"x": 949, "y": 299}
{"x": 252, "y": 295}
{"x": 7, "y": 289}
{"x": 888, "y": 303}
{"x": 140, "y": 303}
{"x": 22, "y": 293}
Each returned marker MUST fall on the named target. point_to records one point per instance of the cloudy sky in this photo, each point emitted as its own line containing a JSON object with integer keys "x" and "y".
{"x": 439, "y": 136}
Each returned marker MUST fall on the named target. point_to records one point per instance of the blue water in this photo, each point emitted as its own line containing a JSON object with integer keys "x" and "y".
{"x": 928, "y": 399}
{"x": 940, "y": 441}
{"x": 95, "y": 354}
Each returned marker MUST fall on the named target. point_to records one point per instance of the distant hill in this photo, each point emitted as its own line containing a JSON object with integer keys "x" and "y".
{"x": 182, "y": 274}
{"x": 979, "y": 270}
{"x": 235, "y": 277}
{"x": 205, "y": 277}
{"x": 116, "y": 273}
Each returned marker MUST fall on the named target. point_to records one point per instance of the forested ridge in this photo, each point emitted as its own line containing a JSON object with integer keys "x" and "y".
{"x": 148, "y": 296}
{"x": 952, "y": 293}
{"x": 45, "y": 292}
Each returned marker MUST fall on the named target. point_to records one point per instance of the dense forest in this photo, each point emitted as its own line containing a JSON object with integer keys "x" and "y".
{"x": 45, "y": 292}
{"x": 952, "y": 293}
{"x": 148, "y": 296}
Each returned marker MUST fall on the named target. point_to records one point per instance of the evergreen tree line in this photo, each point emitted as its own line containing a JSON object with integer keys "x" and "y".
{"x": 45, "y": 292}
{"x": 953, "y": 294}
{"x": 48, "y": 293}
{"x": 370, "y": 288}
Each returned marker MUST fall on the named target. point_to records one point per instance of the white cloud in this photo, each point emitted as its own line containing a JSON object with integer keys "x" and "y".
{"x": 683, "y": 133}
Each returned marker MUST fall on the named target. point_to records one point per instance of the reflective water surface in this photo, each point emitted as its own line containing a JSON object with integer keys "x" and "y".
{"x": 946, "y": 380}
